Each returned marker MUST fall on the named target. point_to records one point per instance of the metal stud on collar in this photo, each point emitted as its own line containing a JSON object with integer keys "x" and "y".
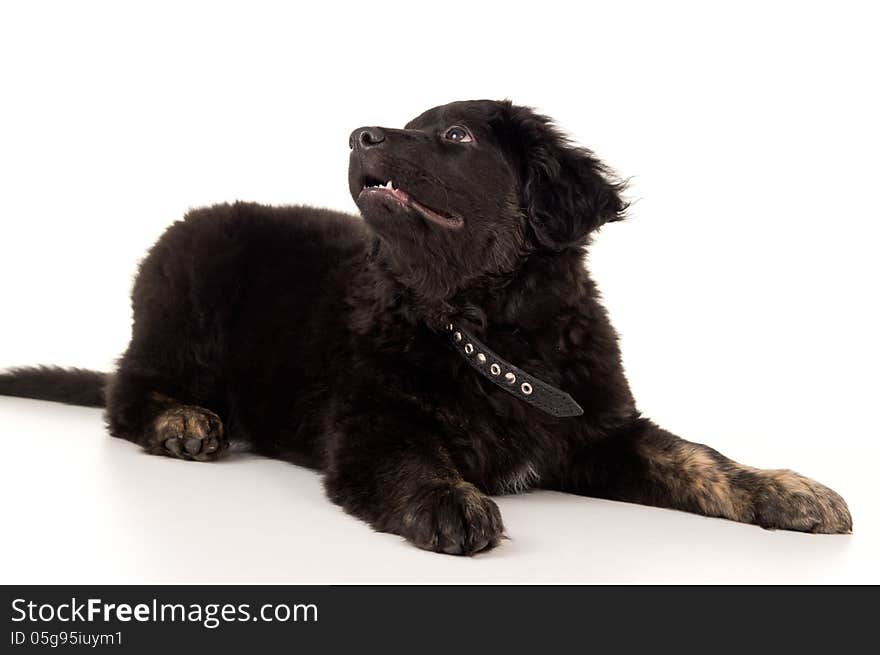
{"x": 531, "y": 390}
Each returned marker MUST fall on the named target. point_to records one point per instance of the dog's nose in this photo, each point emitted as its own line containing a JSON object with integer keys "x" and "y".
{"x": 365, "y": 137}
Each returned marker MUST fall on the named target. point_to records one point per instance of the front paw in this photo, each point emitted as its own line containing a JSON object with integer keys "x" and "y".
{"x": 452, "y": 518}
{"x": 788, "y": 501}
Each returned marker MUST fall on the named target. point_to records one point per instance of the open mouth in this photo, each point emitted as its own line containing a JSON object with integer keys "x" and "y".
{"x": 387, "y": 189}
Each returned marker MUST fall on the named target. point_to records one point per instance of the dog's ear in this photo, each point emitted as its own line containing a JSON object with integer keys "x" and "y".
{"x": 566, "y": 192}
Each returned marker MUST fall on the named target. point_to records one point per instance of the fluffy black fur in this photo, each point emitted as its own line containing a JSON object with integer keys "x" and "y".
{"x": 317, "y": 337}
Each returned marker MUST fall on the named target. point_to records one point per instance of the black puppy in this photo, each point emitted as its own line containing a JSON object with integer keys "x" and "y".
{"x": 448, "y": 346}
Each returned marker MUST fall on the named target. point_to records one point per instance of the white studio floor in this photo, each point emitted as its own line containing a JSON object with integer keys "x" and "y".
{"x": 81, "y": 507}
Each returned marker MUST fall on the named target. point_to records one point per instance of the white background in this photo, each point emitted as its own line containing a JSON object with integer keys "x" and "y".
{"x": 744, "y": 287}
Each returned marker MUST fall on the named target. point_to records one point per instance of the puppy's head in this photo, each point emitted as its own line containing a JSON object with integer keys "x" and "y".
{"x": 470, "y": 187}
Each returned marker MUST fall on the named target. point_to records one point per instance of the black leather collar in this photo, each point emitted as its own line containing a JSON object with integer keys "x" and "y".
{"x": 513, "y": 380}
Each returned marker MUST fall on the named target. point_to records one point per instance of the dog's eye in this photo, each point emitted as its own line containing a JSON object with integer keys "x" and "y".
{"x": 458, "y": 134}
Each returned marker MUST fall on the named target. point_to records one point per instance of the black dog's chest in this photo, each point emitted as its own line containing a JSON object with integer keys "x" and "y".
{"x": 497, "y": 441}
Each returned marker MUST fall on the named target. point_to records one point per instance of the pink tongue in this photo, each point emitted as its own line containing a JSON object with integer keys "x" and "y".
{"x": 397, "y": 193}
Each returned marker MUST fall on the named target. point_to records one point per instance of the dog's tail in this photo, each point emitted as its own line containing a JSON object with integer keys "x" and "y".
{"x": 74, "y": 386}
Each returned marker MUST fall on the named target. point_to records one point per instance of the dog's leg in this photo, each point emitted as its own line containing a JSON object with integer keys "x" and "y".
{"x": 138, "y": 411}
{"x": 399, "y": 478}
{"x": 645, "y": 464}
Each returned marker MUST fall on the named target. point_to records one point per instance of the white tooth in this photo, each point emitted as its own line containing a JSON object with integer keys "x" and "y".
{"x": 391, "y": 184}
